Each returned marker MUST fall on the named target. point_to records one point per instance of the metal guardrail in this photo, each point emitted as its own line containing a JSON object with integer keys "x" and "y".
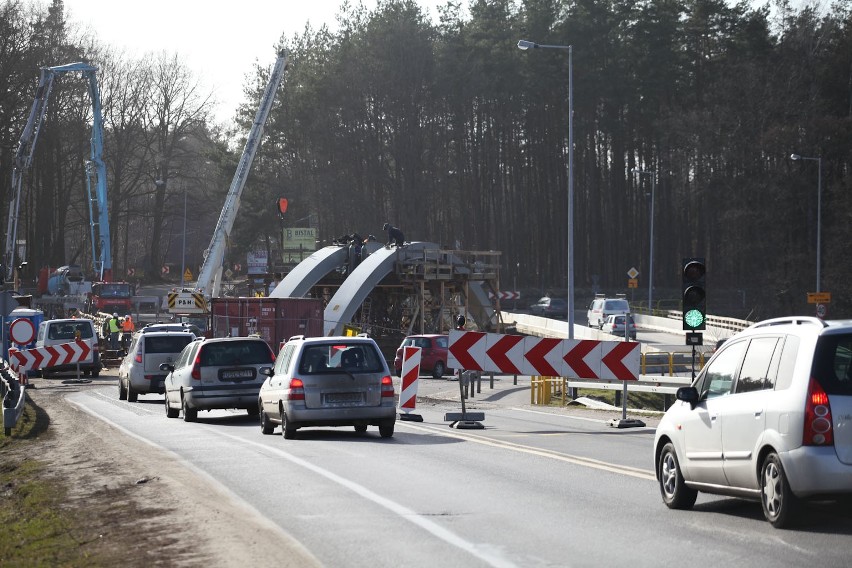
{"x": 14, "y": 397}
{"x": 544, "y": 390}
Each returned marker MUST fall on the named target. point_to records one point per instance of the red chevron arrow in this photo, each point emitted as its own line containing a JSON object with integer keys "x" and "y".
{"x": 51, "y": 356}
{"x": 84, "y": 350}
{"x": 460, "y": 349}
{"x": 614, "y": 360}
{"x": 536, "y": 357}
{"x": 574, "y": 358}
{"x": 498, "y": 351}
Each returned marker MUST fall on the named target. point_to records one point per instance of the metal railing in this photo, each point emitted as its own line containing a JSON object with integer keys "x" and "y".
{"x": 545, "y": 390}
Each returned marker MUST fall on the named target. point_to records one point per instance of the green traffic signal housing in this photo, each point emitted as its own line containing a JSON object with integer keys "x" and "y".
{"x": 694, "y": 299}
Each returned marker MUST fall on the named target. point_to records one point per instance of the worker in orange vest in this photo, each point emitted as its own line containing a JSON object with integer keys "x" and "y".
{"x": 127, "y": 329}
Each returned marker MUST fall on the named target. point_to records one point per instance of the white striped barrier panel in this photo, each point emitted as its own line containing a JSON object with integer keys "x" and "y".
{"x": 408, "y": 392}
{"x": 52, "y": 356}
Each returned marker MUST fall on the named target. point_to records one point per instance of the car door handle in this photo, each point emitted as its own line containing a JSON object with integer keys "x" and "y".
{"x": 758, "y": 413}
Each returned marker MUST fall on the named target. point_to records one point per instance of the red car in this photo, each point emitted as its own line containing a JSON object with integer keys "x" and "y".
{"x": 433, "y": 354}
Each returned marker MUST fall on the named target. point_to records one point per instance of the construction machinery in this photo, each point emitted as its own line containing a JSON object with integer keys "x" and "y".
{"x": 210, "y": 276}
{"x": 95, "y": 182}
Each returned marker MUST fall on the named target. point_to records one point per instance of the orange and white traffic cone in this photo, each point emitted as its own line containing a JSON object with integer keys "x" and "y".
{"x": 408, "y": 392}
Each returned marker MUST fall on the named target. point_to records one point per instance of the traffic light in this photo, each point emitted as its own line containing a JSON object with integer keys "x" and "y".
{"x": 694, "y": 304}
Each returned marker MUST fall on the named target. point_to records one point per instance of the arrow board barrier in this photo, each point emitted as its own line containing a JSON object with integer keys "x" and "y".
{"x": 42, "y": 357}
{"x": 547, "y": 357}
{"x": 408, "y": 391}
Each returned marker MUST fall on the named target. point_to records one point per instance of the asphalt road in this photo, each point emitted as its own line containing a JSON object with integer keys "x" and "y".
{"x": 536, "y": 487}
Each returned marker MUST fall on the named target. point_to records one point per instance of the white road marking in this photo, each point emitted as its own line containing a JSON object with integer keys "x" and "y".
{"x": 487, "y": 556}
{"x": 568, "y": 458}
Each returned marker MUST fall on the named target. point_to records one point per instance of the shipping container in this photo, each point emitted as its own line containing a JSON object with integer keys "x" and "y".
{"x": 274, "y": 319}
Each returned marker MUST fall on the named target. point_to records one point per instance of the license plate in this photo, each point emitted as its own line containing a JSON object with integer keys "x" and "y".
{"x": 237, "y": 374}
{"x": 340, "y": 397}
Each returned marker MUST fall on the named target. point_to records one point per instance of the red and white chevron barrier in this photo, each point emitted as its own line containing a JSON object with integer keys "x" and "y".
{"x": 408, "y": 393}
{"x": 548, "y": 357}
{"x": 44, "y": 357}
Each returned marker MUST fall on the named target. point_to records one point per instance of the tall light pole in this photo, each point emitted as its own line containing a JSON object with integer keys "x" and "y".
{"x": 651, "y": 241}
{"x": 524, "y": 45}
{"x": 819, "y": 212}
{"x": 183, "y": 251}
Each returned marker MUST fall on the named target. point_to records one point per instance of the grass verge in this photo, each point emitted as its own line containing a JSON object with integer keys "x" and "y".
{"x": 39, "y": 529}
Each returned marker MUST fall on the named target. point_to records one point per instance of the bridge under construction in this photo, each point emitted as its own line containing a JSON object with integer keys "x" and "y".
{"x": 419, "y": 288}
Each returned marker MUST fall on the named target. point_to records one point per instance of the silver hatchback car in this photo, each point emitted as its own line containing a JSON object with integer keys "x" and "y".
{"x": 328, "y": 381}
{"x": 217, "y": 373}
{"x": 769, "y": 418}
{"x": 139, "y": 372}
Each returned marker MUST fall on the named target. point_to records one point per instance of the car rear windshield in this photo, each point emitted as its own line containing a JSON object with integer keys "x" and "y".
{"x": 617, "y": 306}
{"x": 67, "y": 331}
{"x": 833, "y": 364}
{"x": 350, "y": 357}
{"x": 167, "y": 344}
{"x": 236, "y": 353}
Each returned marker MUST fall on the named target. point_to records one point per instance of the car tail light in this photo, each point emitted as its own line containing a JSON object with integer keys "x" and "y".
{"x": 138, "y": 357}
{"x": 196, "y": 367}
{"x": 817, "y": 431}
{"x": 387, "y": 386}
{"x": 297, "y": 389}
{"x": 148, "y": 377}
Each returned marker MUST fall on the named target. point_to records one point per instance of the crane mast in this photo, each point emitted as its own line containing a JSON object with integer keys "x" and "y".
{"x": 210, "y": 275}
{"x": 95, "y": 169}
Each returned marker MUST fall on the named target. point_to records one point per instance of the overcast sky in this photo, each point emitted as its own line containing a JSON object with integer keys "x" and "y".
{"x": 220, "y": 39}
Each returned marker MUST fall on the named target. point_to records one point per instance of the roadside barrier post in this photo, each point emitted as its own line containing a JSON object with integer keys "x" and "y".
{"x": 408, "y": 391}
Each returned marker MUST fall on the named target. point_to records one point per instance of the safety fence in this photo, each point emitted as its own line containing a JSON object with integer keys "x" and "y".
{"x": 14, "y": 396}
{"x": 546, "y": 390}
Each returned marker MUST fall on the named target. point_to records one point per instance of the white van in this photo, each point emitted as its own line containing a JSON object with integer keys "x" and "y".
{"x": 55, "y": 332}
{"x": 139, "y": 372}
{"x": 602, "y": 307}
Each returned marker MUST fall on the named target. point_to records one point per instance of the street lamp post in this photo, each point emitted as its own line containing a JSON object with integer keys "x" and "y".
{"x": 819, "y": 213}
{"x": 651, "y": 241}
{"x": 525, "y": 45}
{"x": 183, "y": 251}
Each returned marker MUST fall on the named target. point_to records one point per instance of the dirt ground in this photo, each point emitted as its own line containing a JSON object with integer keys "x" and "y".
{"x": 139, "y": 505}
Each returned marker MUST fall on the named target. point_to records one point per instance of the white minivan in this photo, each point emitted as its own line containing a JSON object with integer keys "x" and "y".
{"x": 139, "y": 372}
{"x": 602, "y": 307}
{"x": 54, "y": 332}
{"x": 768, "y": 419}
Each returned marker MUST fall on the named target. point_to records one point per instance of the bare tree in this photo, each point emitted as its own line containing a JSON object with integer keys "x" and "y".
{"x": 176, "y": 111}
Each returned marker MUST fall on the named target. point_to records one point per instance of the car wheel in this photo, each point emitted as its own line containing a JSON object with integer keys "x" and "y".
{"x": 287, "y": 428}
{"x": 122, "y": 392}
{"x": 779, "y": 503}
{"x": 171, "y": 412}
{"x": 386, "y": 430}
{"x": 361, "y": 428}
{"x": 132, "y": 394}
{"x": 438, "y": 370}
{"x": 189, "y": 414}
{"x": 266, "y": 427}
{"x": 676, "y": 495}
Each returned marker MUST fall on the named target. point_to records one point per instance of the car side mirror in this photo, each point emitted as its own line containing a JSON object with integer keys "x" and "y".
{"x": 167, "y": 367}
{"x": 266, "y": 371}
{"x": 688, "y": 394}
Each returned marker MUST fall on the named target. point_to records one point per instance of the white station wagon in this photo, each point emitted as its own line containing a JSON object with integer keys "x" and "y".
{"x": 769, "y": 418}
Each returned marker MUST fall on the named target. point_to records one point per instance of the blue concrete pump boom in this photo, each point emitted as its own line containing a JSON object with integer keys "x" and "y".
{"x": 95, "y": 170}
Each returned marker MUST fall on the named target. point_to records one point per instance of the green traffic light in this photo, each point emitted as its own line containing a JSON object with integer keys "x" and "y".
{"x": 693, "y": 318}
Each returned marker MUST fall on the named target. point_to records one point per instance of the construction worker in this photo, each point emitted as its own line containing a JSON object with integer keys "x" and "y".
{"x": 114, "y": 329}
{"x": 127, "y": 329}
{"x": 395, "y": 236}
